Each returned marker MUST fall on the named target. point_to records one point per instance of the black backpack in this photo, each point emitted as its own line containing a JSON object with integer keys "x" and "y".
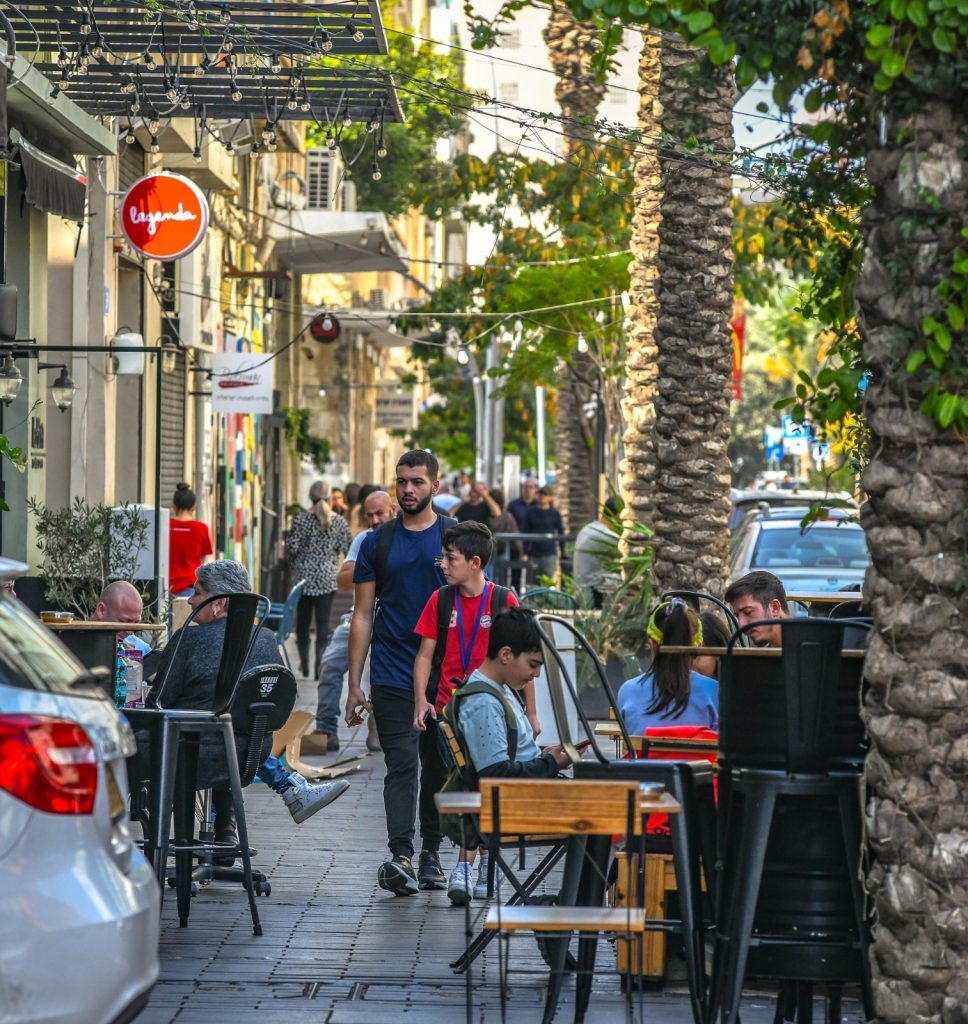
{"x": 462, "y": 776}
{"x": 445, "y": 608}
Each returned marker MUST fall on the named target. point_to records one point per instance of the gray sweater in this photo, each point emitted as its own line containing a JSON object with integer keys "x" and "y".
{"x": 191, "y": 681}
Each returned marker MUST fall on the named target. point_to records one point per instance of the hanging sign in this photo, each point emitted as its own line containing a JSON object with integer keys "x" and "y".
{"x": 164, "y": 215}
{"x": 242, "y": 382}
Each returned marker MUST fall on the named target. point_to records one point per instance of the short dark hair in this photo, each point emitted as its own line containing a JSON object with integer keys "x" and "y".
{"x": 420, "y": 457}
{"x": 763, "y": 586}
{"x": 614, "y": 504}
{"x": 470, "y": 539}
{"x": 497, "y": 496}
{"x": 516, "y": 628}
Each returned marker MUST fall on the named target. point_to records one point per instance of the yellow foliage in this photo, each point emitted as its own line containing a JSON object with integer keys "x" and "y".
{"x": 805, "y": 58}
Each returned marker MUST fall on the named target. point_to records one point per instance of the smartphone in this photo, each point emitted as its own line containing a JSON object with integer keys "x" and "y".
{"x": 584, "y": 745}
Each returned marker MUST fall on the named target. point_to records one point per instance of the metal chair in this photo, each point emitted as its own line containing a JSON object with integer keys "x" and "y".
{"x": 791, "y": 742}
{"x": 288, "y": 619}
{"x": 548, "y": 599}
{"x": 174, "y": 736}
{"x": 262, "y": 702}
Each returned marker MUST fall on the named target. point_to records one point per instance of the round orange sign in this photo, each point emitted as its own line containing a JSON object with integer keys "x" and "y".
{"x": 164, "y": 215}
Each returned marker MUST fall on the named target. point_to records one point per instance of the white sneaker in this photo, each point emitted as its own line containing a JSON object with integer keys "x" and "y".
{"x": 480, "y": 886}
{"x": 304, "y": 798}
{"x": 459, "y": 886}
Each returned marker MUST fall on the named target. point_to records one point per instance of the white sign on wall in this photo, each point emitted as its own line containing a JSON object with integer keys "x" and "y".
{"x": 242, "y": 382}
{"x": 396, "y": 412}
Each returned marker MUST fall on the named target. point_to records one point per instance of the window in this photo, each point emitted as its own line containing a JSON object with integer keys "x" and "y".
{"x": 511, "y": 39}
{"x": 821, "y": 547}
{"x": 507, "y": 92}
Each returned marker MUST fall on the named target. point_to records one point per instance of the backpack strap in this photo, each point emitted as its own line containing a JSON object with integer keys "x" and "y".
{"x": 499, "y": 600}
{"x": 510, "y": 719}
{"x": 384, "y": 541}
{"x": 445, "y": 608}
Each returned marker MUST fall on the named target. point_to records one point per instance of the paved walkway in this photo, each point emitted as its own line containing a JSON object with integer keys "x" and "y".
{"x": 338, "y": 950}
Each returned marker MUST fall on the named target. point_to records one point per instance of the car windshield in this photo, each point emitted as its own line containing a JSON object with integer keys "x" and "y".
{"x": 30, "y": 657}
{"x": 821, "y": 547}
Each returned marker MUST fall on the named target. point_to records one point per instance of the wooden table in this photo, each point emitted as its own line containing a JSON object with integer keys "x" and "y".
{"x": 826, "y": 596}
{"x": 95, "y": 644}
{"x": 746, "y": 652}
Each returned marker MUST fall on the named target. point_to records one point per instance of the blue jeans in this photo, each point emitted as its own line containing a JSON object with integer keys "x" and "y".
{"x": 333, "y": 665}
{"x": 272, "y": 773}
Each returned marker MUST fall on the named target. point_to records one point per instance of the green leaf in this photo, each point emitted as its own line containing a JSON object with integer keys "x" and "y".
{"x": 879, "y": 35}
{"x": 914, "y": 360}
{"x": 917, "y": 13}
{"x": 956, "y": 317}
{"x": 784, "y": 403}
{"x": 947, "y": 410}
{"x": 882, "y": 82}
{"x": 935, "y": 354}
{"x": 943, "y": 337}
{"x": 812, "y": 102}
{"x": 721, "y": 50}
{"x": 943, "y": 39}
{"x": 892, "y": 63}
{"x": 699, "y": 21}
{"x": 929, "y": 325}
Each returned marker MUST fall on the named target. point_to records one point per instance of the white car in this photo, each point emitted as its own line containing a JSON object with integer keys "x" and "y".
{"x": 79, "y": 904}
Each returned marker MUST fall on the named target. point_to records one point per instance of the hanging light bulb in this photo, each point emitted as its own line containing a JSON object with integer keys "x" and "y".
{"x": 224, "y": 14}
{"x": 305, "y": 106}
{"x": 237, "y": 94}
{"x": 462, "y": 357}
{"x": 582, "y": 344}
{"x": 154, "y": 147}
{"x": 268, "y": 131}
{"x": 53, "y": 94}
{"x": 197, "y": 155}
{"x": 97, "y": 49}
{"x": 376, "y": 174}
{"x": 81, "y": 69}
{"x": 171, "y": 93}
{"x": 325, "y": 41}
{"x": 127, "y": 85}
{"x": 10, "y": 380}
{"x": 154, "y": 126}
{"x": 229, "y": 148}
{"x": 371, "y": 125}
{"x": 291, "y": 102}
{"x": 203, "y": 68}
{"x": 62, "y": 390}
{"x": 275, "y": 65}
{"x": 129, "y": 137}
{"x": 347, "y": 172}
{"x": 381, "y": 150}
{"x": 135, "y": 107}
{"x": 330, "y": 139}
{"x": 62, "y": 59}
{"x": 148, "y": 61}
{"x": 355, "y": 31}
{"x": 84, "y": 58}
{"x": 186, "y": 102}
{"x": 85, "y": 28}
{"x": 347, "y": 120}
{"x": 272, "y": 145}
{"x": 255, "y": 152}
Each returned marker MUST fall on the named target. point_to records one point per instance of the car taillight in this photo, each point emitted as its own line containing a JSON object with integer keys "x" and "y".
{"x": 49, "y": 763}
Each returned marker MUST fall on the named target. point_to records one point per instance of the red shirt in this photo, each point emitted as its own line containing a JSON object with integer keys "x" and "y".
{"x": 189, "y": 542}
{"x": 453, "y": 667}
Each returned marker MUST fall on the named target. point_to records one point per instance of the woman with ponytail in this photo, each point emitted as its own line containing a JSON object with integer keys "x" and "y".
{"x": 316, "y": 545}
{"x": 189, "y": 543}
{"x": 671, "y": 692}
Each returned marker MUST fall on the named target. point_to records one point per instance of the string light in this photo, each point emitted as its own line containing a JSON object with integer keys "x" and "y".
{"x": 376, "y": 174}
{"x": 325, "y": 41}
{"x": 85, "y": 28}
{"x": 53, "y": 94}
{"x": 347, "y": 120}
{"x": 224, "y": 14}
{"x": 330, "y": 139}
{"x": 62, "y": 59}
{"x": 256, "y": 151}
{"x": 227, "y": 45}
{"x": 355, "y": 31}
{"x": 148, "y": 61}
{"x": 154, "y": 147}
{"x": 275, "y": 66}
{"x": 97, "y": 49}
{"x": 129, "y": 137}
{"x": 154, "y": 126}
{"x": 381, "y": 150}
{"x": 200, "y": 69}
{"x": 582, "y": 344}
{"x": 197, "y": 155}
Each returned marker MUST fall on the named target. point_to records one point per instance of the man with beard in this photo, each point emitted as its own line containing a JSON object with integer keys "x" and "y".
{"x": 759, "y": 595}
{"x": 397, "y": 569}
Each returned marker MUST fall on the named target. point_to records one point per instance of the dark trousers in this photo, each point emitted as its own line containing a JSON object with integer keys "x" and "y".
{"x": 312, "y": 608}
{"x": 412, "y": 759}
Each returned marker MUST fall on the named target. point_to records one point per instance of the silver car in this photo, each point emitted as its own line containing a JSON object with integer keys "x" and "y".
{"x": 831, "y": 555}
{"x": 79, "y": 904}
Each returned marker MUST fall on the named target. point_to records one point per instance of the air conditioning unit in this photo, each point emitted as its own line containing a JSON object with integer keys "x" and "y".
{"x": 378, "y": 298}
{"x": 324, "y": 170}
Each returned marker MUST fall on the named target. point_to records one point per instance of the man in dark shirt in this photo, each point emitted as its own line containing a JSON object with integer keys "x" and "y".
{"x": 542, "y": 555}
{"x": 388, "y": 600}
{"x": 519, "y": 507}
{"x": 480, "y": 507}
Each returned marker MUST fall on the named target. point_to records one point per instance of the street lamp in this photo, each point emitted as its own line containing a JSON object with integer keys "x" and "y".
{"x": 10, "y": 380}
{"x": 63, "y": 388}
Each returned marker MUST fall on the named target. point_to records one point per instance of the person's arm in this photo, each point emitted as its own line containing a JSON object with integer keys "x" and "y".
{"x": 344, "y": 578}
{"x": 545, "y": 766}
{"x": 296, "y": 538}
{"x": 531, "y": 707}
{"x": 492, "y": 505}
{"x": 361, "y": 630}
{"x": 422, "y": 665}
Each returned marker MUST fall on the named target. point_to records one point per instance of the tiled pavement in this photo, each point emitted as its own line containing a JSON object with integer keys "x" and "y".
{"x": 338, "y": 950}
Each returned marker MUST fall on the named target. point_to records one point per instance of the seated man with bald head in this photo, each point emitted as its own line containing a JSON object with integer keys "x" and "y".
{"x": 121, "y": 602}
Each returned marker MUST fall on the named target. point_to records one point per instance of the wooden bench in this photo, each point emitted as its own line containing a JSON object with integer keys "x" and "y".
{"x": 621, "y": 921}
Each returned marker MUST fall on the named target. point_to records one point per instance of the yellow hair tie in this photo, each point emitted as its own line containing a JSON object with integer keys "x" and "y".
{"x": 653, "y": 632}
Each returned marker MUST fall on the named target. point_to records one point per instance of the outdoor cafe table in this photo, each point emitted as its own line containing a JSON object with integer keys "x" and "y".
{"x": 94, "y": 644}
{"x": 584, "y": 871}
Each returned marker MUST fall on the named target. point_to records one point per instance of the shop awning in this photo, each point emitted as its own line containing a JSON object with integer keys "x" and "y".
{"x": 334, "y": 242}
{"x": 49, "y": 185}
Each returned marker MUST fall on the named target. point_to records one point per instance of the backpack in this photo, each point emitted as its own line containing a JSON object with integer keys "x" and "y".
{"x": 384, "y": 541}
{"x": 445, "y": 608}
{"x": 461, "y": 829}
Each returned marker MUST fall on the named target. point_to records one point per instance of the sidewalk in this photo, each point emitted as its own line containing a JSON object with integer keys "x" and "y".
{"x": 338, "y": 950}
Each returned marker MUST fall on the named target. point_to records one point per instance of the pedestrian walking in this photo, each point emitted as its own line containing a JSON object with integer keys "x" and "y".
{"x": 189, "y": 542}
{"x": 396, "y": 572}
{"x": 455, "y": 626}
{"x": 542, "y": 554}
{"x": 335, "y": 660}
{"x": 316, "y": 543}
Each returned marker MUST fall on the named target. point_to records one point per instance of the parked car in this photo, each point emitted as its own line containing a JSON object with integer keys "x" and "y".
{"x": 829, "y": 555}
{"x": 745, "y": 501}
{"x": 79, "y": 904}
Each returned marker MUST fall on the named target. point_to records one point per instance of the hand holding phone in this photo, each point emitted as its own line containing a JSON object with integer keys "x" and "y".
{"x": 584, "y": 745}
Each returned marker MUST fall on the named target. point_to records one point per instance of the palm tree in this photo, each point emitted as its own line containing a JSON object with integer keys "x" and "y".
{"x": 571, "y": 46}
{"x": 675, "y": 475}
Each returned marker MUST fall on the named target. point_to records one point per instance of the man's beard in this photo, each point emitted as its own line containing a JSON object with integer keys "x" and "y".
{"x": 419, "y": 507}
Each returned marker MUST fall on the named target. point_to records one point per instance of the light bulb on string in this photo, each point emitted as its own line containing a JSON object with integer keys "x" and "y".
{"x": 229, "y": 148}
{"x": 267, "y": 132}
{"x": 236, "y": 93}
{"x": 255, "y": 152}
{"x": 154, "y": 147}
{"x": 53, "y": 94}
{"x": 330, "y": 139}
{"x": 275, "y": 66}
{"x": 376, "y": 174}
{"x": 325, "y": 41}
{"x": 186, "y": 103}
{"x": 582, "y": 343}
{"x": 224, "y": 14}
{"x": 462, "y": 356}
{"x": 171, "y": 94}
{"x": 381, "y": 149}
{"x": 129, "y": 137}
{"x": 200, "y": 69}
{"x": 154, "y": 126}
{"x": 272, "y": 145}
{"x": 305, "y": 105}
{"x": 197, "y": 155}
{"x": 97, "y": 49}
{"x": 347, "y": 120}
{"x": 127, "y": 85}
{"x": 227, "y": 45}
{"x": 85, "y": 28}
{"x": 355, "y": 31}
{"x": 291, "y": 102}
{"x": 148, "y": 61}
{"x": 372, "y": 125}
{"x": 81, "y": 69}
{"x": 62, "y": 59}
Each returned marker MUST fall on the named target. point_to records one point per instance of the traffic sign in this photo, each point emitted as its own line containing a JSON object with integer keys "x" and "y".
{"x": 820, "y": 451}
{"x": 164, "y": 215}
{"x": 793, "y": 429}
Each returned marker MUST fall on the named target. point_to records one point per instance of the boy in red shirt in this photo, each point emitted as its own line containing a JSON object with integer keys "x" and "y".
{"x": 473, "y": 602}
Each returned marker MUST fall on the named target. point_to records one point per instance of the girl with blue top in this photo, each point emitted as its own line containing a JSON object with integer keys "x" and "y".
{"x": 670, "y": 693}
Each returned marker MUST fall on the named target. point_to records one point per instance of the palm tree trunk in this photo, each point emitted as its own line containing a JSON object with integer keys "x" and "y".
{"x": 571, "y": 46}
{"x": 917, "y": 663}
{"x": 676, "y": 472}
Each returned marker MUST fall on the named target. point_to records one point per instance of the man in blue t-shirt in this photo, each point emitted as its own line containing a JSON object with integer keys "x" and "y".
{"x": 396, "y": 572}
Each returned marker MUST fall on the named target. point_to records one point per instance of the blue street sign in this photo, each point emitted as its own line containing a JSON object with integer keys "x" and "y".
{"x": 792, "y": 429}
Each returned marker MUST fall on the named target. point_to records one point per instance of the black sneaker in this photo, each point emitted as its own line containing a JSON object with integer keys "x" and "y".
{"x": 397, "y": 876}
{"x": 430, "y": 875}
